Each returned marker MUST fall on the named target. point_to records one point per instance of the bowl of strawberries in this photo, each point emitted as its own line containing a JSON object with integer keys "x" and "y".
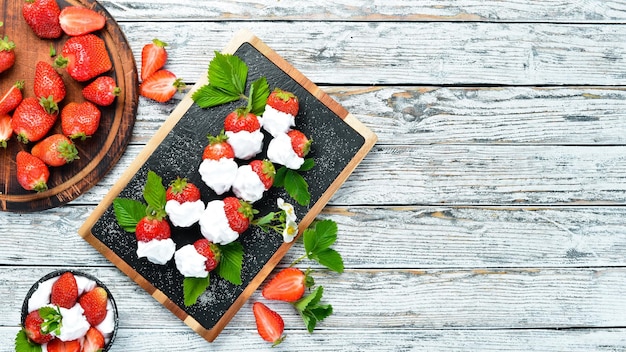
{"x": 68, "y": 310}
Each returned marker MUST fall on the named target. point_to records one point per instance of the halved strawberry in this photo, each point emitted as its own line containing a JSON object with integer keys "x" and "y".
{"x": 218, "y": 148}
{"x": 12, "y": 98}
{"x": 288, "y": 285}
{"x": 94, "y": 341}
{"x": 79, "y": 121}
{"x": 85, "y": 57}
{"x": 161, "y": 86}
{"x": 32, "y": 328}
{"x": 55, "y": 150}
{"x": 210, "y": 251}
{"x": 48, "y": 82}
{"x": 57, "y": 345}
{"x": 42, "y": 16}
{"x": 239, "y": 213}
{"x": 182, "y": 191}
{"x": 269, "y": 324}
{"x": 284, "y": 101}
{"x": 94, "y": 303}
{"x": 153, "y": 58}
{"x": 32, "y": 173}
{"x": 5, "y": 130}
{"x": 241, "y": 120}
{"x": 102, "y": 91}
{"x": 64, "y": 291}
{"x": 300, "y": 143}
{"x": 266, "y": 171}
{"x": 78, "y": 20}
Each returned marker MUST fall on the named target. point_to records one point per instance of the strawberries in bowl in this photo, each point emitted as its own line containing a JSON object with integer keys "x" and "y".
{"x": 68, "y": 309}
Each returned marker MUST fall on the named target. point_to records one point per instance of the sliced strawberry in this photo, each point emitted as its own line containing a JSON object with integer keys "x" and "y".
{"x": 57, "y": 345}
{"x": 32, "y": 173}
{"x": 7, "y": 54}
{"x": 94, "y": 341}
{"x": 84, "y": 57}
{"x": 269, "y": 324}
{"x": 77, "y": 20}
{"x": 12, "y": 98}
{"x": 42, "y": 16}
{"x": 284, "y": 101}
{"x": 182, "y": 191}
{"x": 55, "y": 150}
{"x": 161, "y": 86}
{"x": 153, "y": 58}
{"x": 210, "y": 251}
{"x": 32, "y": 328}
{"x": 94, "y": 303}
{"x": 300, "y": 143}
{"x": 102, "y": 91}
{"x": 266, "y": 171}
{"x": 288, "y": 285}
{"x": 241, "y": 120}
{"x": 218, "y": 148}
{"x": 5, "y": 130}
{"x": 48, "y": 82}
{"x": 64, "y": 291}
{"x": 239, "y": 213}
{"x": 152, "y": 228}
{"x": 79, "y": 121}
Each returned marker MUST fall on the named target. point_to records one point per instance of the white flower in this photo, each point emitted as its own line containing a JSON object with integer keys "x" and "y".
{"x": 291, "y": 230}
{"x": 288, "y": 209}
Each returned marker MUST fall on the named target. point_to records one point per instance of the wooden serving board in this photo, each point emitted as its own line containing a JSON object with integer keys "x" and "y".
{"x": 340, "y": 143}
{"x": 97, "y": 154}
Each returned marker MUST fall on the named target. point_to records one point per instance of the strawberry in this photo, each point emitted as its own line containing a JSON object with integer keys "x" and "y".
{"x": 57, "y": 345}
{"x": 210, "y": 251}
{"x": 55, "y": 150}
{"x": 12, "y": 98}
{"x": 33, "y": 118}
{"x": 269, "y": 324}
{"x": 5, "y": 130}
{"x": 288, "y": 285}
{"x": 266, "y": 171}
{"x": 218, "y": 148}
{"x": 161, "y": 86}
{"x": 32, "y": 173}
{"x": 84, "y": 57}
{"x": 284, "y": 101}
{"x": 239, "y": 213}
{"x": 7, "y": 54}
{"x": 300, "y": 143}
{"x": 94, "y": 341}
{"x": 64, "y": 291}
{"x": 102, "y": 91}
{"x": 153, "y": 58}
{"x": 94, "y": 303}
{"x": 152, "y": 228}
{"x": 80, "y": 120}
{"x": 182, "y": 191}
{"x": 78, "y": 20}
{"x": 48, "y": 82}
{"x": 43, "y": 17}
{"x": 241, "y": 120}
{"x": 32, "y": 328}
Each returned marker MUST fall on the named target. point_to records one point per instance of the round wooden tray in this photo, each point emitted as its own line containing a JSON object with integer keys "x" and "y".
{"x": 97, "y": 154}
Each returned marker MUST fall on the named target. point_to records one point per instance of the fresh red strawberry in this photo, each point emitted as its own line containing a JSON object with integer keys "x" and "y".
{"x": 94, "y": 303}
{"x": 5, "y": 130}
{"x": 210, "y": 251}
{"x": 288, "y": 285}
{"x": 78, "y": 20}
{"x": 153, "y": 58}
{"x": 80, "y": 120}
{"x": 32, "y": 328}
{"x": 94, "y": 341}
{"x": 102, "y": 91}
{"x": 284, "y": 101}
{"x": 241, "y": 120}
{"x": 12, "y": 98}
{"x": 48, "y": 82}
{"x": 152, "y": 228}
{"x": 300, "y": 143}
{"x": 55, "y": 150}
{"x": 239, "y": 213}
{"x": 43, "y": 17}
{"x": 182, "y": 191}
{"x": 269, "y": 324}
{"x": 266, "y": 171}
{"x": 84, "y": 57}
{"x": 32, "y": 121}
{"x": 161, "y": 86}
{"x": 7, "y": 54}
{"x": 218, "y": 148}
{"x": 64, "y": 291}
{"x": 57, "y": 345}
{"x": 32, "y": 173}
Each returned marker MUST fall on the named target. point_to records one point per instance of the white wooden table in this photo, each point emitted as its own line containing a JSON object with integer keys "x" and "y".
{"x": 490, "y": 215}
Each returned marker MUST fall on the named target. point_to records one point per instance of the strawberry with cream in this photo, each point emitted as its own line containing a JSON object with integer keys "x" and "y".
{"x": 243, "y": 129}
{"x": 197, "y": 259}
{"x": 280, "y": 113}
{"x": 224, "y": 220}
{"x": 218, "y": 167}
{"x": 253, "y": 180}
{"x": 184, "y": 206}
{"x": 154, "y": 241}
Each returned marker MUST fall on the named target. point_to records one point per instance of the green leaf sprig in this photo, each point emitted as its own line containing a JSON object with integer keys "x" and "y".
{"x": 52, "y": 320}
{"x": 294, "y": 184}
{"x": 129, "y": 212}
{"x": 312, "y": 310}
{"x": 317, "y": 240}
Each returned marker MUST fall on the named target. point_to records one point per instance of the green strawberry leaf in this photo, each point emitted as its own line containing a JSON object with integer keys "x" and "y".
{"x": 23, "y": 343}
{"x": 209, "y": 96}
{"x": 229, "y": 73}
{"x": 279, "y": 179}
{"x": 317, "y": 239}
{"x": 307, "y": 165}
{"x": 297, "y": 187}
{"x": 128, "y": 212}
{"x": 193, "y": 287}
{"x": 331, "y": 259}
{"x": 259, "y": 91}
{"x": 325, "y": 236}
{"x": 311, "y": 310}
{"x": 231, "y": 262}
{"x": 154, "y": 191}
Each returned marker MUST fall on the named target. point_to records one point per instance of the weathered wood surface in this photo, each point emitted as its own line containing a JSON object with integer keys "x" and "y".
{"x": 489, "y": 216}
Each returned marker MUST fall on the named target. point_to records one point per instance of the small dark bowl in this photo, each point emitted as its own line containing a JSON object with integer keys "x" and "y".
{"x": 76, "y": 273}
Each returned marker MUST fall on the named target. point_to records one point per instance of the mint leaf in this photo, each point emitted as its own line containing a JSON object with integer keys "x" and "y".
{"x": 193, "y": 287}
{"x": 307, "y": 165}
{"x": 259, "y": 91}
{"x": 231, "y": 262}
{"x": 154, "y": 191}
{"x": 128, "y": 212}
{"x": 311, "y": 310}
{"x": 52, "y": 320}
{"x": 209, "y": 96}
{"x": 23, "y": 343}
{"x": 297, "y": 187}
{"x": 331, "y": 259}
{"x": 229, "y": 73}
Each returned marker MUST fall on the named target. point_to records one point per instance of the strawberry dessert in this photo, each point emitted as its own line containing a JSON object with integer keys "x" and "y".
{"x": 197, "y": 259}
{"x": 280, "y": 112}
{"x": 218, "y": 167}
{"x": 65, "y": 310}
{"x": 243, "y": 129}
{"x": 224, "y": 220}
{"x": 253, "y": 180}
{"x": 184, "y": 206}
{"x": 289, "y": 149}
{"x": 154, "y": 241}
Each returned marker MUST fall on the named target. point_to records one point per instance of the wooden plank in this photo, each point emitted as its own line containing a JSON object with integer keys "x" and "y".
{"x": 442, "y": 54}
{"x": 361, "y": 10}
{"x": 414, "y": 237}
